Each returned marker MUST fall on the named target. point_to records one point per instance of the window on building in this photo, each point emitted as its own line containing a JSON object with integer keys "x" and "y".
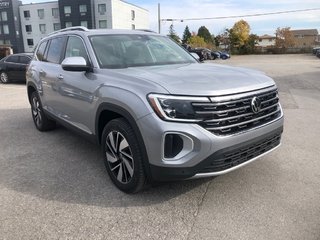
{"x": 6, "y": 29}
{"x": 67, "y": 10}
{"x": 55, "y": 50}
{"x": 4, "y": 16}
{"x": 133, "y": 26}
{"x": 7, "y": 41}
{"x": 42, "y": 28}
{"x": 103, "y": 24}
{"x": 28, "y": 28}
{"x": 55, "y": 12}
{"x": 82, "y": 8}
{"x": 68, "y": 24}
{"x": 84, "y": 23}
{"x": 41, "y": 50}
{"x": 102, "y": 8}
{"x": 133, "y": 14}
{"x": 41, "y": 13}
{"x": 0, "y": 33}
{"x": 56, "y": 26}
{"x": 17, "y": 33}
{"x": 26, "y": 14}
{"x": 30, "y": 42}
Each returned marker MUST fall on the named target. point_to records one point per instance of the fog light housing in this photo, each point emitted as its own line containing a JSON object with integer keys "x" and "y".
{"x": 176, "y": 146}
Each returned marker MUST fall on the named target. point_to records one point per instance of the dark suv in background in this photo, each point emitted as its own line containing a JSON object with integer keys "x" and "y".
{"x": 157, "y": 113}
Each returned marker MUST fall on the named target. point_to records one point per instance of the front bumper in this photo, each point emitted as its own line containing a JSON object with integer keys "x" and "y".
{"x": 222, "y": 161}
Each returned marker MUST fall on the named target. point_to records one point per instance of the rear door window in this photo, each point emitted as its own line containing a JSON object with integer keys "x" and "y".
{"x": 24, "y": 60}
{"x": 13, "y": 59}
{"x": 55, "y": 50}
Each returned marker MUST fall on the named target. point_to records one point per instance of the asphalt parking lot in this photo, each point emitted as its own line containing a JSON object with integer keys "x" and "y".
{"x": 53, "y": 185}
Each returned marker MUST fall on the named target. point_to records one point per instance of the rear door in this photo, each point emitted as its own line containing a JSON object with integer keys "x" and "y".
{"x": 23, "y": 63}
{"x": 50, "y": 71}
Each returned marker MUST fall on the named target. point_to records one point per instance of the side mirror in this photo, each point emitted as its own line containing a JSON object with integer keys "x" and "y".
{"x": 196, "y": 56}
{"x": 75, "y": 64}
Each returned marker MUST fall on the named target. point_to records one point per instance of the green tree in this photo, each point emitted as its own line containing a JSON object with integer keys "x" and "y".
{"x": 173, "y": 35}
{"x": 196, "y": 41}
{"x": 186, "y": 35}
{"x": 205, "y": 34}
{"x": 284, "y": 37}
{"x": 239, "y": 34}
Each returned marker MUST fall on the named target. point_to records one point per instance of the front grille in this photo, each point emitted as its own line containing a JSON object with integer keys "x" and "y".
{"x": 236, "y": 157}
{"x": 230, "y": 115}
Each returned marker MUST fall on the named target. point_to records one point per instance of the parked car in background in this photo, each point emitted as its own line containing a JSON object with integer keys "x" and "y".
{"x": 224, "y": 55}
{"x": 13, "y": 67}
{"x": 318, "y": 53}
{"x": 215, "y": 55}
{"x": 315, "y": 50}
{"x": 203, "y": 53}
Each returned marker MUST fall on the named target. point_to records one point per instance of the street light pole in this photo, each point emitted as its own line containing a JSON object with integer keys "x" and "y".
{"x": 159, "y": 19}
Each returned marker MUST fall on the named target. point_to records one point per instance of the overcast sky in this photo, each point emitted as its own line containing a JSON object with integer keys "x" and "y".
{"x": 210, "y": 8}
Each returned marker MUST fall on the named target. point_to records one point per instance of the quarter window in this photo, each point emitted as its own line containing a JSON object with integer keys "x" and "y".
{"x": 55, "y": 50}
{"x": 41, "y": 50}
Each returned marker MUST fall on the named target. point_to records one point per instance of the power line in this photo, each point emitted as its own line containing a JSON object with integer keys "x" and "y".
{"x": 240, "y": 16}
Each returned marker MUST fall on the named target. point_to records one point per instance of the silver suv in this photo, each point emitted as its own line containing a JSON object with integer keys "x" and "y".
{"x": 158, "y": 113}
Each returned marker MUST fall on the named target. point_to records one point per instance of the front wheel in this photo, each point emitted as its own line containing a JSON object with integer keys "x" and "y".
{"x": 41, "y": 121}
{"x": 122, "y": 156}
{"x": 4, "y": 78}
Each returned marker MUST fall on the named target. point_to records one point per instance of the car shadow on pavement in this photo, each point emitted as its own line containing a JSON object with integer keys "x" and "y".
{"x": 62, "y": 166}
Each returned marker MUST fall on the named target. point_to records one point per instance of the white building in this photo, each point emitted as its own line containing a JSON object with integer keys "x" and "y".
{"x": 266, "y": 41}
{"x": 37, "y": 20}
{"x": 40, "y": 19}
{"x": 119, "y": 14}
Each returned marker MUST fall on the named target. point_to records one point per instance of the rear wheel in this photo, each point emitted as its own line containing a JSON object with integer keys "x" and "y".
{"x": 122, "y": 156}
{"x": 41, "y": 121}
{"x": 4, "y": 78}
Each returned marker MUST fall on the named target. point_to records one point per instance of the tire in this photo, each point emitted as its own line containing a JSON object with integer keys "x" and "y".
{"x": 41, "y": 121}
{"x": 224, "y": 58}
{"x": 123, "y": 157}
{"x": 4, "y": 78}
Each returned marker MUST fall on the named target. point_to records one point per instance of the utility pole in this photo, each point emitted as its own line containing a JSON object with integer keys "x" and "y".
{"x": 159, "y": 19}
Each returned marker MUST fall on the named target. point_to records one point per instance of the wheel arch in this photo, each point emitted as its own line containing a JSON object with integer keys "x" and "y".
{"x": 107, "y": 112}
{"x": 31, "y": 88}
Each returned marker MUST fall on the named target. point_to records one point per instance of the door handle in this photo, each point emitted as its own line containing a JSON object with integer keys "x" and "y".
{"x": 41, "y": 72}
{"x": 60, "y": 77}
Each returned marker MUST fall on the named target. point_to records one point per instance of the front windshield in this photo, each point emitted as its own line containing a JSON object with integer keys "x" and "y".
{"x": 133, "y": 50}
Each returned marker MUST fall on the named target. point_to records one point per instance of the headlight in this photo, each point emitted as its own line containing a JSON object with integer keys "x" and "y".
{"x": 175, "y": 108}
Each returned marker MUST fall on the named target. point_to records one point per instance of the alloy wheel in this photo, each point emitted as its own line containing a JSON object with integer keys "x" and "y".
{"x": 36, "y": 111}
{"x": 119, "y": 157}
{"x": 4, "y": 77}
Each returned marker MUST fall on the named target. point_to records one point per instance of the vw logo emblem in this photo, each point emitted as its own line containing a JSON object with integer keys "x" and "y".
{"x": 255, "y": 105}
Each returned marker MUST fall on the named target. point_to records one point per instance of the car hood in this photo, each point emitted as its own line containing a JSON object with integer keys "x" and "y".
{"x": 202, "y": 79}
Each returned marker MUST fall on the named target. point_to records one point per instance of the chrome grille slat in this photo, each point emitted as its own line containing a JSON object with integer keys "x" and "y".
{"x": 232, "y": 114}
{"x": 235, "y": 125}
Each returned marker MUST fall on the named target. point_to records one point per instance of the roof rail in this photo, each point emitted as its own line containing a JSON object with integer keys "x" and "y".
{"x": 145, "y": 30}
{"x": 78, "y": 28}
